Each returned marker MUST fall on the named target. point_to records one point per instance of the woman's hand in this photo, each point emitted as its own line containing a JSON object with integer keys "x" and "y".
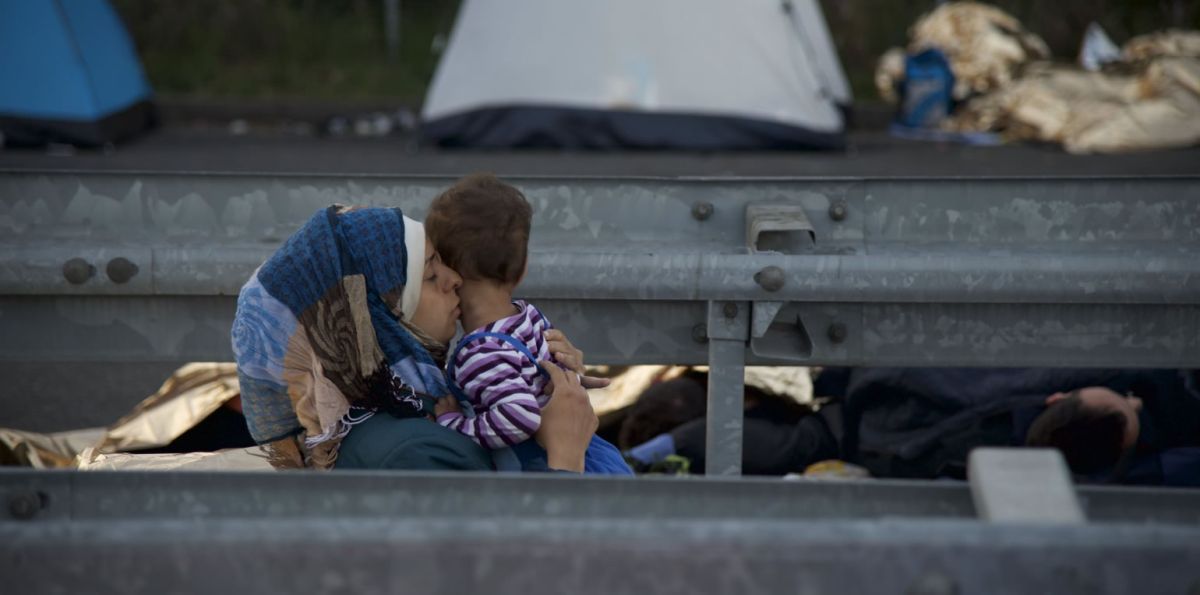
{"x": 568, "y": 422}
{"x": 571, "y": 358}
{"x": 446, "y": 404}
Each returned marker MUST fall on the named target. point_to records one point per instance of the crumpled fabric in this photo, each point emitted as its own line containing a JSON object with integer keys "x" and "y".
{"x": 190, "y": 394}
{"x": 1094, "y": 112}
{"x": 233, "y": 459}
{"x": 792, "y": 382}
{"x": 889, "y": 74}
{"x": 1148, "y": 100}
{"x": 56, "y": 450}
{"x": 986, "y": 47}
{"x": 186, "y": 398}
{"x": 1176, "y": 43}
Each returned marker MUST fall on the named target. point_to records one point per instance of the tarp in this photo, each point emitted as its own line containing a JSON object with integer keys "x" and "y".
{"x": 670, "y": 74}
{"x": 1148, "y": 99}
{"x": 1094, "y": 112}
{"x": 69, "y": 73}
{"x": 191, "y": 395}
{"x": 790, "y": 382}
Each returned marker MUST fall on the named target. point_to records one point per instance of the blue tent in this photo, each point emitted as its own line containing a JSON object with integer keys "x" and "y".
{"x": 69, "y": 73}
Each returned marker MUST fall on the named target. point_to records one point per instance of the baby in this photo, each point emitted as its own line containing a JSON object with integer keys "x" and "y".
{"x": 480, "y": 227}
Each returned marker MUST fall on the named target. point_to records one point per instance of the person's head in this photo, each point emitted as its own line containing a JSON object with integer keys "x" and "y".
{"x": 480, "y": 227}
{"x": 326, "y": 280}
{"x": 661, "y": 408}
{"x": 414, "y": 282}
{"x": 437, "y": 309}
{"x": 1092, "y": 427}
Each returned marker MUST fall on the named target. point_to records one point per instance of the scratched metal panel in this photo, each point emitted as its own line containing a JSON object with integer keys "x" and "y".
{"x": 998, "y": 272}
{"x": 981, "y": 240}
{"x": 382, "y": 532}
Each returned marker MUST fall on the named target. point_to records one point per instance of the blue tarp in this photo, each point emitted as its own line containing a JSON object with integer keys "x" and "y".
{"x": 69, "y": 72}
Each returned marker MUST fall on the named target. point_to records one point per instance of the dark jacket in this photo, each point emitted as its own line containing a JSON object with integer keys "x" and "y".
{"x": 922, "y": 422}
{"x": 386, "y": 442}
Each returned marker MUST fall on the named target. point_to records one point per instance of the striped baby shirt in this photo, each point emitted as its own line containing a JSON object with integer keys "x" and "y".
{"x": 502, "y": 385}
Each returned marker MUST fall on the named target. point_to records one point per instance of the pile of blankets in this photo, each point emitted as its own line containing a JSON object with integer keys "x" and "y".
{"x": 1148, "y": 98}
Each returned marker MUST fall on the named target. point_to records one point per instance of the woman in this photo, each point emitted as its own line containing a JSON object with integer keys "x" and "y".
{"x": 340, "y": 337}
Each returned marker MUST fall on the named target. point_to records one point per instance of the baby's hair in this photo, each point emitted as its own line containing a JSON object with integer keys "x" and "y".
{"x": 480, "y": 226}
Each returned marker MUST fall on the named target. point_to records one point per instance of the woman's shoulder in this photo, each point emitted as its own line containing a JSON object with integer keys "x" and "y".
{"x": 387, "y": 442}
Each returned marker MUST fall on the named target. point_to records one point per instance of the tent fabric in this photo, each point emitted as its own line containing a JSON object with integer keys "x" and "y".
{"x": 683, "y": 74}
{"x": 568, "y": 128}
{"x": 817, "y": 41}
{"x": 69, "y": 73}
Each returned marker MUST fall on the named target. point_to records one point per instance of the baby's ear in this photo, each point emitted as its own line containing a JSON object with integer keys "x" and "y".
{"x": 1054, "y": 398}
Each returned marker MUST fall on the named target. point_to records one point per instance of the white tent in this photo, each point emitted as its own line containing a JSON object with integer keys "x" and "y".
{"x": 673, "y": 74}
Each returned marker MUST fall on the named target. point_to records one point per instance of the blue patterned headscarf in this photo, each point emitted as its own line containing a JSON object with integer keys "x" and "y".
{"x": 320, "y": 333}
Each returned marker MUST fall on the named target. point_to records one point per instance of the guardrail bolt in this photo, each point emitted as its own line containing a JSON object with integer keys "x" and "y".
{"x": 702, "y": 211}
{"x": 120, "y": 270}
{"x": 25, "y": 505}
{"x": 837, "y": 332}
{"x": 837, "y": 210}
{"x": 77, "y": 271}
{"x": 770, "y": 278}
{"x": 934, "y": 583}
{"x": 700, "y": 333}
{"x": 730, "y": 309}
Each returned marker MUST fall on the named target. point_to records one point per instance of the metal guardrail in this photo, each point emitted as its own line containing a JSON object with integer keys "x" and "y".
{"x": 371, "y": 532}
{"x": 132, "y": 268}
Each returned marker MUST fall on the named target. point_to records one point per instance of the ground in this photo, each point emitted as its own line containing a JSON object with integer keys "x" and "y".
{"x": 870, "y": 153}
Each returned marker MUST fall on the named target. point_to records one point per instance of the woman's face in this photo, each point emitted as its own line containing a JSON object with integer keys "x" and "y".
{"x": 437, "y": 313}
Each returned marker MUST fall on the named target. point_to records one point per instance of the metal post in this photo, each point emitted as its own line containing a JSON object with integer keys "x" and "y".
{"x": 728, "y": 331}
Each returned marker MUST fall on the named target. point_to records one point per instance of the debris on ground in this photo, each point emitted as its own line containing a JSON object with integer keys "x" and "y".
{"x": 986, "y": 46}
{"x": 184, "y": 425}
{"x": 1146, "y": 96}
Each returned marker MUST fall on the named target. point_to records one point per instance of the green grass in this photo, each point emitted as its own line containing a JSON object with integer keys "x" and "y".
{"x": 278, "y": 48}
{"x": 335, "y": 49}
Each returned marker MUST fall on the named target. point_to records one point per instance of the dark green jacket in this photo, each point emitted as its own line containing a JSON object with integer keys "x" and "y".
{"x": 386, "y": 442}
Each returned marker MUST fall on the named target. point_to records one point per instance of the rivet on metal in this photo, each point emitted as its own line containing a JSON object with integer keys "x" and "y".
{"x": 700, "y": 333}
{"x": 730, "y": 309}
{"x": 77, "y": 271}
{"x": 837, "y": 210}
{"x": 24, "y": 505}
{"x": 837, "y": 332}
{"x": 770, "y": 278}
{"x": 702, "y": 211}
{"x": 121, "y": 270}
